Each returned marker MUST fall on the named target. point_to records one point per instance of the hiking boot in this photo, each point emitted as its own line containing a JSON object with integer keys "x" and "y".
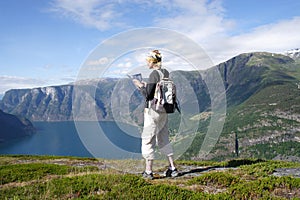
{"x": 171, "y": 173}
{"x": 148, "y": 176}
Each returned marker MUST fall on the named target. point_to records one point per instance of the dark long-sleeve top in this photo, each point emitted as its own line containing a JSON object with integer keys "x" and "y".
{"x": 154, "y": 78}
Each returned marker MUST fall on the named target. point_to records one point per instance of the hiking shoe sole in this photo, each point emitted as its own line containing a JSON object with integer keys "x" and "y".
{"x": 148, "y": 176}
{"x": 171, "y": 173}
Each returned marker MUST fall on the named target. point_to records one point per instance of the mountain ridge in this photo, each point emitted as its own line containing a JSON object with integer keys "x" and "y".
{"x": 12, "y": 127}
{"x": 262, "y": 93}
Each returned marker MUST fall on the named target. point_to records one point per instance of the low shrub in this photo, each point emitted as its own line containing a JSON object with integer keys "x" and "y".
{"x": 33, "y": 171}
{"x": 223, "y": 179}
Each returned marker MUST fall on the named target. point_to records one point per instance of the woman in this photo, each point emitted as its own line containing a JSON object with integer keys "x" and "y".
{"x": 155, "y": 124}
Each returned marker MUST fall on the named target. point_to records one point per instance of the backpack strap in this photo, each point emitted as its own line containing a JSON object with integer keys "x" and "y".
{"x": 161, "y": 74}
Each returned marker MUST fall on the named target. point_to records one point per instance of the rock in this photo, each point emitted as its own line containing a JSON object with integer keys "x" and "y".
{"x": 294, "y": 172}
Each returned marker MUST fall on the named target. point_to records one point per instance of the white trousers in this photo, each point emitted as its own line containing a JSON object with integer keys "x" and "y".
{"x": 155, "y": 130}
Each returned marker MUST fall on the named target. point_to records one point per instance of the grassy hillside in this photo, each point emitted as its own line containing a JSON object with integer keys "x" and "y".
{"x": 267, "y": 126}
{"x": 40, "y": 177}
{"x": 263, "y": 110}
{"x": 278, "y": 104}
{"x": 271, "y": 118}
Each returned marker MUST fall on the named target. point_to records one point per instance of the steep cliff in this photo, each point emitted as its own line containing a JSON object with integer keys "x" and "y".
{"x": 262, "y": 93}
{"x": 12, "y": 126}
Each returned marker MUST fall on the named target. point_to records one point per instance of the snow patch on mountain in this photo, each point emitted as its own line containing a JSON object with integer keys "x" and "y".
{"x": 293, "y": 53}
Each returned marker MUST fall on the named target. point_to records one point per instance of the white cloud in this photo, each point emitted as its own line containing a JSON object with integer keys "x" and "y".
{"x": 125, "y": 65}
{"x": 14, "y": 82}
{"x": 203, "y": 21}
{"x": 197, "y": 18}
{"x": 121, "y": 66}
{"x": 17, "y": 82}
{"x": 206, "y": 24}
{"x": 105, "y": 15}
{"x": 100, "y": 61}
{"x": 277, "y": 38}
{"x": 101, "y": 14}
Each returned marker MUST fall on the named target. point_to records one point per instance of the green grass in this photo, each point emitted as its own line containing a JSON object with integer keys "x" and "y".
{"x": 100, "y": 187}
{"x": 36, "y": 177}
{"x": 265, "y": 188}
{"x": 32, "y": 171}
{"x": 270, "y": 150}
{"x": 223, "y": 179}
{"x": 264, "y": 169}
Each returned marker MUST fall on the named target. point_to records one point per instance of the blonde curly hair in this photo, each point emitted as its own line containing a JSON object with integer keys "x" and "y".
{"x": 155, "y": 57}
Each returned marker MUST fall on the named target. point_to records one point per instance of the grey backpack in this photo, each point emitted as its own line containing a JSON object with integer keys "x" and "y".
{"x": 165, "y": 100}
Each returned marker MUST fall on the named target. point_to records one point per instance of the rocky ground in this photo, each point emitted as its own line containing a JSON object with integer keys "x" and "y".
{"x": 136, "y": 166}
{"x": 216, "y": 184}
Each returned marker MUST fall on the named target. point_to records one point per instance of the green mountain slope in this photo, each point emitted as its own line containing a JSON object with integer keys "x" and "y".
{"x": 248, "y": 73}
{"x": 262, "y": 93}
{"x": 263, "y": 117}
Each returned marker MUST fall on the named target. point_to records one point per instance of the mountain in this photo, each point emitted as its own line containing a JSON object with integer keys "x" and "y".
{"x": 293, "y": 53}
{"x": 263, "y": 116}
{"x": 262, "y": 94}
{"x": 54, "y": 103}
{"x": 248, "y": 73}
{"x": 12, "y": 126}
{"x": 39, "y": 103}
{"x": 104, "y": 96}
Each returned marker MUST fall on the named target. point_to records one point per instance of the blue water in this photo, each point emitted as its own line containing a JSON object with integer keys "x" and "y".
{"x": 87, "y": 140}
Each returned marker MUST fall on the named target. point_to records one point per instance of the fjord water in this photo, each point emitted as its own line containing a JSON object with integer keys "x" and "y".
{"x": 62, "y": 139}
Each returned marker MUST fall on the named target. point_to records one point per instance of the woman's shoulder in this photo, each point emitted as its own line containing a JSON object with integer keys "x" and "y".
{"x": 154, "y": 75}
{"x": 165, "y": 72}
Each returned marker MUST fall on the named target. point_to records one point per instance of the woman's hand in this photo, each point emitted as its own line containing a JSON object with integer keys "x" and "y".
{"x": 138, "y": 83}
{"x": 144, "y": 83}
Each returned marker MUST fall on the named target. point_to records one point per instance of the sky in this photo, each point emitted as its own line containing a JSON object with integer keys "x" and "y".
{"x": 45, "y": 42}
